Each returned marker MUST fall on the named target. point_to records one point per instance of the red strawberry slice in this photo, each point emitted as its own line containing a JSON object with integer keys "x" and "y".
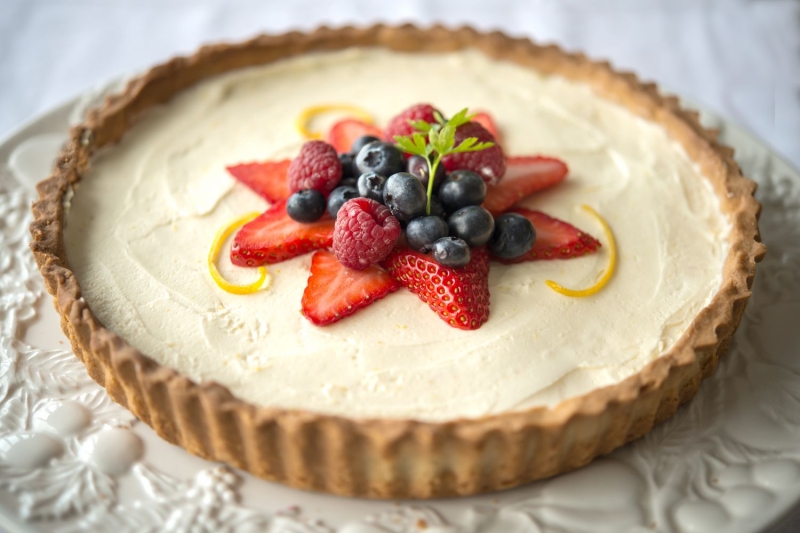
{"x": 274, "y": 237}
{"x": 344, "y": 133}
{"x": 524, "y": 176}
{"x": 555, "y": 239}
{"x": 485, "y": 119}
{"x": 267, "y": 178}
{"x": 335, "y": 291}
{"x": 460, "y": 296}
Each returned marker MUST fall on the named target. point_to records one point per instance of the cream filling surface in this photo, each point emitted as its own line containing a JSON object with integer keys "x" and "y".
{"x": 141, "y": 222}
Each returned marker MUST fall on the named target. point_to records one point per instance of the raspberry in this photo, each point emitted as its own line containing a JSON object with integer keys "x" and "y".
{"x": 316, "y": 167}
{"x": 489, "y": 163}
{"x": 365, "y": 233}
{"x": 399, "y": 125}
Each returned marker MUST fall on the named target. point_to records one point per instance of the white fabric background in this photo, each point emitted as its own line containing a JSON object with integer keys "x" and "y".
{"x": 740, "y": 58}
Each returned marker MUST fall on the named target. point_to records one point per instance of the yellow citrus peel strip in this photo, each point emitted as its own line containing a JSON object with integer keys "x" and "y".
{"x": 612, "y": 248}
{"x": 308, "y": 114}
{"x": 213, "y": 254}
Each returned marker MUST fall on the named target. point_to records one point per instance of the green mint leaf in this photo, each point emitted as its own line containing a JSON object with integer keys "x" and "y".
{"x": 420, "y": 125}
{"x": 409, "y": 146}
{"x": 439, "y": 118}
{"x": 469, "y": 145}
{"x": 420, "y": 143}
{"x": 447, "y": 138}
{"x": 460, "y": 118}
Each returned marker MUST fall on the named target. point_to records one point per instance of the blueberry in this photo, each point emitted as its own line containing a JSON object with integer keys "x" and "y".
{"x": 460, "y": 189}
{"x": 381, "y": 158}
{"x": 349, "y": 182}
{"x": 405, "y": 196}
{"x": 361, "y": 142}
{"x": 419, "y": 167}
{"x": 436, "y": 208}
{"x": 422, "y": 232}
{"x": 473, "y": 224}
{"x": 451, "y": 252}
{"x": 348, "y": 165}
{"x": 306, "y": 206}
{"x": 338, "y": 197}
{"x": 370, "y": 185}
{"x": 513, "y": 236}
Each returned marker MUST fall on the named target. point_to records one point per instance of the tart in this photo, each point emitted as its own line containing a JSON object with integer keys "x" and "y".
{"x": 392, "y": 402}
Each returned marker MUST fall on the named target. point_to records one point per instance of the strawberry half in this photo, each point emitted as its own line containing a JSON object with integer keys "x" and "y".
{"x": 485, "y": 119}
{"x": 267, "y": 178}
{"x": 555, "y": 239}
{"x": 524, "y": 176}
{"x": 335, "y": 291}
{"x": 274, "y": 237}
{"x": 460, "y": 296}
{"x": 344, "y": 133}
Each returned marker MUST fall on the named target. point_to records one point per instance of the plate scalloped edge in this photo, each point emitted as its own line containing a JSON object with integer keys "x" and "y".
{"x": 728, "y": 460}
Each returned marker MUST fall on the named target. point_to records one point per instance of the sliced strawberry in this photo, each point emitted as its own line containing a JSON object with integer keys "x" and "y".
{"x": 274, "y": 237}
{"x": 485, "y": 119}
{"x": 267, "y": 178}
{"x": 524, "y": 176}
{"x": 335, "y": 291}
{"x": 345, "y": 132}
{"x": 555, "y": 239}
{"x": 460, "y": 296}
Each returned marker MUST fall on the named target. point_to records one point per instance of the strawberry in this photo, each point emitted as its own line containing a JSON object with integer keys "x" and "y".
{"x": 343, "y": 134}
{"x": 274, "y": 237}
{"x": 335, "y": 291}
{"x": 267, "y": 178}
{"x": 555, "y": 239}
{"x": 485, "y": 119}
{"x": 524, "y": 176}
{"x": 460, "y": 296}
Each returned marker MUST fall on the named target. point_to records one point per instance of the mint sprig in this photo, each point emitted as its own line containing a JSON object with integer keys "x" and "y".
{"x": 435, "y": 141}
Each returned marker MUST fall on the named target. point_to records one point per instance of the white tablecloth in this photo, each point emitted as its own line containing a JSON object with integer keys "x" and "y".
{"x": 740, "y": 58}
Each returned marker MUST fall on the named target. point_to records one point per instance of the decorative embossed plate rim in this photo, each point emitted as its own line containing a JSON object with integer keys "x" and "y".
{"x": 70, "y": 459}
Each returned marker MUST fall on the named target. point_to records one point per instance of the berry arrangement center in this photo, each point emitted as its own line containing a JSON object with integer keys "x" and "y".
{"x": 426, "y": 203}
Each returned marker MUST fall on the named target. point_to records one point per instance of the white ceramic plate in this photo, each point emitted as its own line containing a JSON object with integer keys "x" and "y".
{"x": 71, "y": 459}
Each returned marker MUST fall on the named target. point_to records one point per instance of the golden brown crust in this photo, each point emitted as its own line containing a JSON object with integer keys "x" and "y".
{"x": 397, "y": 458}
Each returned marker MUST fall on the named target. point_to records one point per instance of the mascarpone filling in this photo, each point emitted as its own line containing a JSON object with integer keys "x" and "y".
{"x": 141, "y": 222}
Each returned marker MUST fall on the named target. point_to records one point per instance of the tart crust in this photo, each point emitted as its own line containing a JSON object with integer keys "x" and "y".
{"x": 378, "y": 458}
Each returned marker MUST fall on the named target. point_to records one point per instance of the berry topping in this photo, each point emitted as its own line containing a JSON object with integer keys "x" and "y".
{"x": 555, "y": 239}
{"x": 419, "y": 167}
{"x": 274, "y": 237}
{"x": 338, "y": 197}
{"x": 268, "y": 179}
{"x": 451, "y": 252}
{"x": 513, "y": 236}
{"x": 400, "y": 125}
{"x": 315, "y": 167}
{"x": 365, "y": 233}
{"x": 436, "y": 208}
{"x": 344, "y": 133}
{"x": 370, "y": 185}
{"x": 460, "y": 296}
{"x": 422, "y": 232}
{"x": 525, "y": 176}
{"x": 306, "y": 206}
{"x": 348, "y": 162}
{"x": 380, "y": 158}
{"x": 335, "y": 291}
{"x": 490, "y": 163}
{"x": 362, "y": 141}
{"x": 405, "y": 196}
{"x": 485, "y": 119}
{"x": 462, "y": 188}
{"x": 472, "y": 224}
